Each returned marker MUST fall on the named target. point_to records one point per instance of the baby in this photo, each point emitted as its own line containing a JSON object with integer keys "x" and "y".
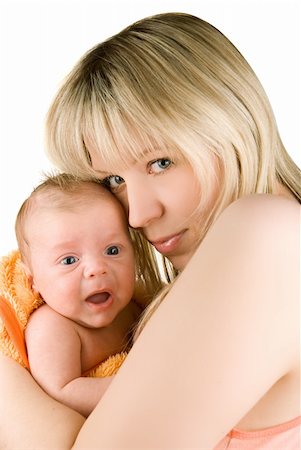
{"x": 76, "y": 250}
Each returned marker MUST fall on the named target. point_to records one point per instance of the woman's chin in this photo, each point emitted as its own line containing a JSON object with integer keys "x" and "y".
{"x": 179, "y": 261}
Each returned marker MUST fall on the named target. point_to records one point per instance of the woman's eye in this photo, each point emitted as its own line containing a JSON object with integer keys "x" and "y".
{"x": 160, "y": 165}
{"x": 69, "y": 260}
{"x": 113, "y": 181}
{"x": 113, "y": 250}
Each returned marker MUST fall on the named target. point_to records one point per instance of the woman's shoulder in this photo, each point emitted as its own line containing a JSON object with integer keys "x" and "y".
{"x": 257, "y": 239}
{"x": 264, "y": 208}
{"x": 265, "y": 217}
{"x": 249, "y": 262}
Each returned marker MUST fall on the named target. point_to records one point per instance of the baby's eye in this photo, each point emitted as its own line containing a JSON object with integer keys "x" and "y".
{"x": 69, "y": 260}
{"x": 113, "y": 181}
{"x": 113, "y": 250}
{"x": 160, "y": 165}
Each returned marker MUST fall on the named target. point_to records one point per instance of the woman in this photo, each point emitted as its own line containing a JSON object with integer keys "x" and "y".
{"x": 173, "y": 120}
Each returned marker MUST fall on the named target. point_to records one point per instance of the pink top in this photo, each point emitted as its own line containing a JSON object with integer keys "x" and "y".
{"x": 285, "y": 436}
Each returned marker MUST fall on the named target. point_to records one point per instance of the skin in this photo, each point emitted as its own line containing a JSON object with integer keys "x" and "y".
{"x": 244, "y": 370}
{"x": 76, "y": 260}
{"x": 35, "y": 415}
{"x": 164, "y": 213}
{"x": 170, "y": 222}
{"x": 236, "y": 362}
{"x": 78, "y": 253}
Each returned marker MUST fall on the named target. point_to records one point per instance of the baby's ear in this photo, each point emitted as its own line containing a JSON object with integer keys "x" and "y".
{"x": 28, "y": 275}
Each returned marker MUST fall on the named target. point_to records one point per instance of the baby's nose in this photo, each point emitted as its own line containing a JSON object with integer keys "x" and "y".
{"x": 95, "y": 267}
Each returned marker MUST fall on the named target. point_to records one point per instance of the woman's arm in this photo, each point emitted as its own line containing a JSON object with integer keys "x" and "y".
{"x": 222, "y": 338}
{"x": 29, "y": 418}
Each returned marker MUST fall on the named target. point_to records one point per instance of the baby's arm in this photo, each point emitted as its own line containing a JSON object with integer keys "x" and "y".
{"x": 54, "y": 353}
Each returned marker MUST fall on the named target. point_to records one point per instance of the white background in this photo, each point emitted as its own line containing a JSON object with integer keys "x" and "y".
{"x": 40, "y": 41}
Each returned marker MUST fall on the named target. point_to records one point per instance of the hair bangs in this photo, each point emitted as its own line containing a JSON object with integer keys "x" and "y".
{"x": 119, "y": 137}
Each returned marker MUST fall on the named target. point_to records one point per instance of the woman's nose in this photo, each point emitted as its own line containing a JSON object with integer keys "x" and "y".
{"x": 95, "y": 267}
{"x": 143, "y": 206}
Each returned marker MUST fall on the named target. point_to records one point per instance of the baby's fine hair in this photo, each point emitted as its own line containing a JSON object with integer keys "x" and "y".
{"x": 61, "y": 192}
{"x": 68, "y": 192}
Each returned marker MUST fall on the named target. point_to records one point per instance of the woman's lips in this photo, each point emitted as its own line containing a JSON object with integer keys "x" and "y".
{"x": 168, "y": 244}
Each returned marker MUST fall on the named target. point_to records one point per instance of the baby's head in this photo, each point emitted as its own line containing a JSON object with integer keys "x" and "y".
{"x": 76, "y": 249}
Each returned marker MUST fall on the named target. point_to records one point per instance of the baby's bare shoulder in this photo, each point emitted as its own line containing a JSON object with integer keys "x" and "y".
{"x": 45, "y": 321}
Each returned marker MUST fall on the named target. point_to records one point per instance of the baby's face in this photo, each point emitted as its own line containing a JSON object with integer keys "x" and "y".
{"x": 82, "y": 260}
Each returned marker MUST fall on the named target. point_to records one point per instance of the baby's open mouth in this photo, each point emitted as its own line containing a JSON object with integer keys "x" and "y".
{"x": 97, "y": 299}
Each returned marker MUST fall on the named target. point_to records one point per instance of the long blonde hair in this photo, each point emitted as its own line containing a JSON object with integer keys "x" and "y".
{"x": 175, "y": 82}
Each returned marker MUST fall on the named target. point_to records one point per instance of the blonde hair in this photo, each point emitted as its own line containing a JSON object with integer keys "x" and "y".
{"x": 67, "y": 192}
{"x": 175, "y": 82}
